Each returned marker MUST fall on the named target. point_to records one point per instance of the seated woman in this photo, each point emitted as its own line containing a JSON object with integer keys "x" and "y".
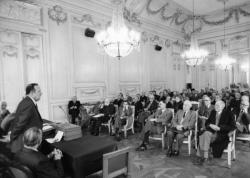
{"x": 40, "y": 165}
{"x": 218, "y": 125}
{"x": 122, "y": 115}
{"x": 163, "y": 118}
{"x": 182, "y": 123}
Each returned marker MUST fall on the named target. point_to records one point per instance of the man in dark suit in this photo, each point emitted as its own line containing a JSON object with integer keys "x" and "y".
{"x": 74, "y": 109}
{"x": 243, "y": 120}
{"x": 150, "y": 108}
{"x": 40, "y": 165}
{"x": 27, "y": 116}
{"x": 218, "y": 125}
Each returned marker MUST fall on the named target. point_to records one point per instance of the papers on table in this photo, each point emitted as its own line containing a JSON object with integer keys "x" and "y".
{"x": 98, "y": 115}
{"x": 153, "y": 119}
{"x": 57, "y": 138}
{"x": 47, "y": 127}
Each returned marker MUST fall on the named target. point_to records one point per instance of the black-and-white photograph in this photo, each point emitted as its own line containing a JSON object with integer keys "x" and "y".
{"x": 124, "y": 88}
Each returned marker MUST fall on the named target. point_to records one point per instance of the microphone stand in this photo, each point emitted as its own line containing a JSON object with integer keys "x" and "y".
{"x": 65, "y": 113}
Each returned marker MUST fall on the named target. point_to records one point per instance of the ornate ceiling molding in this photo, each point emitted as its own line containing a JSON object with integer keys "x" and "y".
{"x": 180, "y": 18}
{"x": 87, "y": 19}
{"x": 57, "y": 14}
{"x": 20, "y": 11}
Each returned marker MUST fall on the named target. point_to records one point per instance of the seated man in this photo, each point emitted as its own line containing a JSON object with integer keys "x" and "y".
{"x": 204, "y": 112}
{"x": 108, "y": 110}
{"x": 163, "y": 117}
{"x": 40, "y": 165}
{"x": 243, "y": 120}
{"x": 150, "y": 108}
{"x": 74, "y": 109}
{"x": 182, "y": 123}
{"x": 218, "y": 125}
{"x": 3, "y": 111}
{"x": 122, "y": 115}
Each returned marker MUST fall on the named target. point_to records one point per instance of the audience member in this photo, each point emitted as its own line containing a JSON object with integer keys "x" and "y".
{"x": 218, "y": 125}
{"x": 182, "y": 124}
{"x": 74, "y": 109}
{"x": 204, "y": 112}
{"x": 243, "y": 120}
{"x": 40, "y": 165}
{"x": 235, "y": 103}
{"x": 178, "y": 104}
{"x": 123, "y": 114}
{"x": 118, "y": 101}
{"x": 4, "y": 111}
{"x": 150, "y": 108}
{"x": 108, "y": 110}
{"x": 163, "y": 117}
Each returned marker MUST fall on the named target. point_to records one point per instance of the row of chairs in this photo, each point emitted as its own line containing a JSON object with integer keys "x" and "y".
{"x": 128, "y": 126}
{"x": 232, "y": 135}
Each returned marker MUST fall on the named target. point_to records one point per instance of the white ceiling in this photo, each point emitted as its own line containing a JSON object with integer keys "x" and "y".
{"x": 208, "y": 6}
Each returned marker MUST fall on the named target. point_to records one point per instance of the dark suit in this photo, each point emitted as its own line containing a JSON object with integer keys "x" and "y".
{"x": 27, "y": 116}
{"x": 151, "y": 108}
{"x": 39, "y": 164}
{"x": 74, "y": 110}
{"x": 226, "y": 124}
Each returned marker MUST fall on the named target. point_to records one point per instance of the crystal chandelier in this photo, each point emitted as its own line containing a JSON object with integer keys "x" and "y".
{"x": 225, "y": 62}
{"x": 195, "y": 55}
{"x": 245, "y": 67}
{"x": 117, "y": 40}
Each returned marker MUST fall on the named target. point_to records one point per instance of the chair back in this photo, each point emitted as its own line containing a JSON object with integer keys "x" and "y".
{"x": 195, "y": 105}
{"x": 117, "y": 163}
{"x": 21, "y": 171}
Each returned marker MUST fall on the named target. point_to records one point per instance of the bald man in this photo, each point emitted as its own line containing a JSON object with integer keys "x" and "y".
{"x": 182, "y": 123}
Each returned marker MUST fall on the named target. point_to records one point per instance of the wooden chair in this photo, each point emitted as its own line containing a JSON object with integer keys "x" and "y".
{"x": 117, "y": 163}
{"x": 231, "y": 148}
{"x": 108, "y": 124}
{"x": 129, "y": 123}
{"x": 21, "y": 171}
{"x": 162, "y": 136}
{"x": 244, "y": 137}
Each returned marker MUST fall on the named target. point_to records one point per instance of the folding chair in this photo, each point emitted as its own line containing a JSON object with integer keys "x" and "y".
{"x": 117, "y": 163}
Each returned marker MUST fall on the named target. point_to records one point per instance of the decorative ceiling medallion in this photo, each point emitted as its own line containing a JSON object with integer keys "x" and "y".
{"x": 57, "y": 14}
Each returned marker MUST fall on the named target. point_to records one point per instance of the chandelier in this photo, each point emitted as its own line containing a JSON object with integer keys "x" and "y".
{"x": 195, "y": 55}
{"x": 225, "y": 62}
{"x": 118, "y": 40}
